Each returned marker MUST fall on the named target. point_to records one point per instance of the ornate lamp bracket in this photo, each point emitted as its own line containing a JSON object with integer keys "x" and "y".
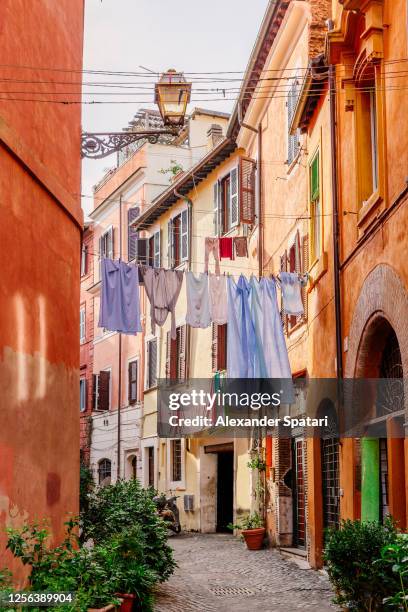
{"x": 102, "y": 144}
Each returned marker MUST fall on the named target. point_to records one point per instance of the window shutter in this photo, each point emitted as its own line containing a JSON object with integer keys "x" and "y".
{"x": 95, "y": 392}
{"x": 110, "y": 246}
{"x": 133, "y": 213}
{"x": 132, "y": 384}
{"x": 142, "y": 251}
{"x": 170, "y": 244}
{"x": 305, "y": 268}
{"x": 184, "y": 246}
{"x": 153, "y": 362}
{"x": 181, "y": 352}
{"x": 104, "y": 391}
{"x": 157, "y": 249}
{"x": 284, "y": 268}
{"x": 314, "y": 179}
{"x": 298, "y": 269}
{"x": 214, "y": 347}
{"x": 217, "y": 192}
{"x": 247, "y": 169}
{"x": 168, "y": 355}
{"x": 293, "y": 140}
{"x": 84, "y": 260}
{"x": 234, "y": 198}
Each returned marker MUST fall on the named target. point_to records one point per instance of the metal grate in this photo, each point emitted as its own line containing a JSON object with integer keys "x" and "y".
{"x": 230, "y": 591}
{"x": 391, "y": 391}
{"x": 330, "y": 477}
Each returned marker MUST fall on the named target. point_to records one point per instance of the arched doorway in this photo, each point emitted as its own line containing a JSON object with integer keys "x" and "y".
{"x": 382, "y": 449}
{"x": 378, "y": 349}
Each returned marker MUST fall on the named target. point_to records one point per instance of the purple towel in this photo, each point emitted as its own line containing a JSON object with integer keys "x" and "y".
{"x": 120, "y": 308}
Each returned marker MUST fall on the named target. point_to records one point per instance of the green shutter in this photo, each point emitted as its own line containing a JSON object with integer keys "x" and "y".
{"x": 314, "y": 179}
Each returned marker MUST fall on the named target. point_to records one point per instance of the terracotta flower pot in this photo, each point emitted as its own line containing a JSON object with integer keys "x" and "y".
{"x": 254, "y": 538}
{"x": 127, "y": 602}
{"x": 108, "y": 608}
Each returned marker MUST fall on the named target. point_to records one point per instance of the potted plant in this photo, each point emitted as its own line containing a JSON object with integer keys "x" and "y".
{"x": 252, "y": 530}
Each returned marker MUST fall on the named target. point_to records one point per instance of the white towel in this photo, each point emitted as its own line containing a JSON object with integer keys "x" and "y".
{"x": 292, "y": 298}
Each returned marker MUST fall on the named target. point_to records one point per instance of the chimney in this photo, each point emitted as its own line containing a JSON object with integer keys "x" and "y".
{"x": 214, "y": 135}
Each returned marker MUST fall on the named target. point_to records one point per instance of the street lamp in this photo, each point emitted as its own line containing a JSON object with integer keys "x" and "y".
{"x": 172, "y": 94}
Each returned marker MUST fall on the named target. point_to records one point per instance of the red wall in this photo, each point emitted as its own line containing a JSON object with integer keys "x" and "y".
{"x": 40, "y": 236}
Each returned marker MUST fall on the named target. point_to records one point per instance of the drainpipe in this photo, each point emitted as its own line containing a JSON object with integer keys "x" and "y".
{"x": 260, "y": 204}
{"x": 336, "y": 225}
{"x": 120, "y": 353}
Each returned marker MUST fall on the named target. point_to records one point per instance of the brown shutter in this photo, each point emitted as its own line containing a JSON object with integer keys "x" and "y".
{"x": 305, "y": 269}
{"x": 222, "y": 347}
{"x": 168, "y": 355}
{"x": 132, "y": 382}
{"x": 104, "y": 386}
{"x": 181, "y": 353}
{"x": 247, "y": 168}
{"x": 214, "y": 347}
{"x": 94, "y": 389}
{"x": 152, "y": 372}
{"x": 284, "y": 268}
{"x": 132, "y": 214}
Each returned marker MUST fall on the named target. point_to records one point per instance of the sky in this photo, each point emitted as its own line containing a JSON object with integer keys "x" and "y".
{"x": 188, "y": 35}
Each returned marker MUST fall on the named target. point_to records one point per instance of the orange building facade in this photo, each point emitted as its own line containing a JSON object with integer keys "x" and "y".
{"x": 41, "y": 225}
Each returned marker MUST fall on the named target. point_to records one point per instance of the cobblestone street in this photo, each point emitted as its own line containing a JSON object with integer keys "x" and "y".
{"x": 216, "y": 573}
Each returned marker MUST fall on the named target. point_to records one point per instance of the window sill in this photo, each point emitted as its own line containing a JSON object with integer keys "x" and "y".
{"x": 318, "y": 269}
{"x": 366, "y": 212}
{"x": 293, "y": 163}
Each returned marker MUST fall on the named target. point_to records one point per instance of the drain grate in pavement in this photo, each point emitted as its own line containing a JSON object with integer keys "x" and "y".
{"x": 230, "y": 591}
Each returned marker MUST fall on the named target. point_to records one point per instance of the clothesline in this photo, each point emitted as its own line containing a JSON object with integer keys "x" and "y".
{"x": 255, "y": 343}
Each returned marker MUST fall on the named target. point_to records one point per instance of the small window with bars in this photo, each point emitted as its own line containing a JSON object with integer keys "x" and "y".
{"x": 104, "y": 471}
{"x": 176, "y": 460}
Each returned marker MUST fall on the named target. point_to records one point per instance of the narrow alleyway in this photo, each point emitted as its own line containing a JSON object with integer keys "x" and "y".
{"x": 216, "y": 573}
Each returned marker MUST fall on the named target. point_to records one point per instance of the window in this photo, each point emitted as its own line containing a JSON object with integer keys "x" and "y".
{"x": 132, "y": 215}
{"x": 84, "y": 260}
{"x": 315, "y": 208}
{"x": 132, "y": 382}
{"x": 297, "y": 260}
{"x": 293, "y": 139}
{"x": 104, "y": 471}
{"x": 234, "y": 197}
{"x": 175, "y": 450}
{"x": 82, "y": 394}
{"x": 176, "y": 354}
{"x": 151, "y": 363}
{"x": 134, "y": 467}
{"x": 367, "y": 136}
{"x": 150, "y": 464}
{"x": 178, "y": 239}
{"x": 219, "y": 347}
{"x": 101, "y": 391}
{"x": 82, "y": 324}
{"x": 106, "y": 244}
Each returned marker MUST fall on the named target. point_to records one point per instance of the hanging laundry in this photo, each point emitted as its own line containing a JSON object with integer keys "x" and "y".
{"x": 241, "y": 246}
{"x": 291, "y": 296}
{"x": 163, "y": 289}
{"x": 212, "y": 246}
{"x": 271, "y": 355}
{"x": 217, "y": 288}
{"x": 226, "y": 248}
{"x": 198, "y": 305}
{"x": 120, "y": 307}
{"x": 241, "y": 333}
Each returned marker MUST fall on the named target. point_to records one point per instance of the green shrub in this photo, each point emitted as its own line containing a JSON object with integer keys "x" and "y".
{"x": 361, "y": 577}
{"x": 86, "y": 486}
{"x": 252, "y": 521}
{"x": 95, "y": 574}
{"x": 396, "y": 558}
{"x": 120, "y": 507}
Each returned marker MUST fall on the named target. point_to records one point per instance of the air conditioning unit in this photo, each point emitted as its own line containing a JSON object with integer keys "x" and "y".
{"x": 188, "y": 503}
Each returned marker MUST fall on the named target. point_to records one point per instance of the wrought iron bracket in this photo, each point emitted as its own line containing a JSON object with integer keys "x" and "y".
{"x": 102, "y": 144}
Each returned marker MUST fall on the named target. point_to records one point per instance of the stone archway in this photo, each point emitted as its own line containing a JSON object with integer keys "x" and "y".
{"x": 380, "y": 315}
{"x": 382, "y": 297}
